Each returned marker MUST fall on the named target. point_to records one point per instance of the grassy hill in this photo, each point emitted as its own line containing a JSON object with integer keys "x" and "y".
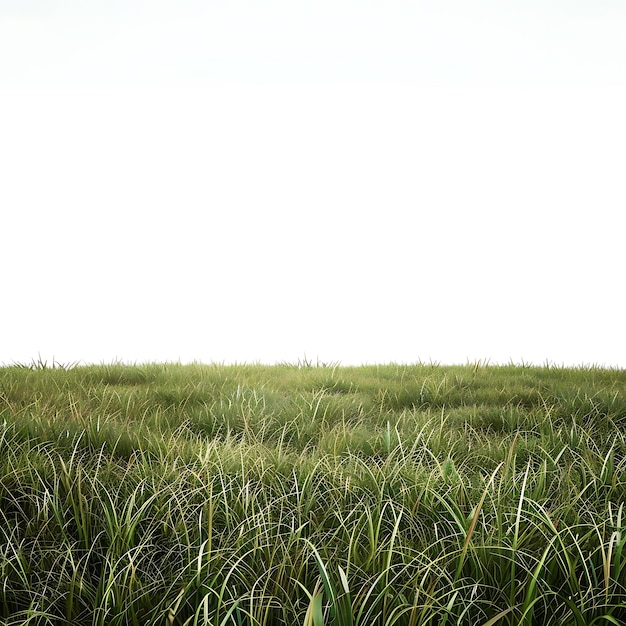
{"x": 298, "y": 494}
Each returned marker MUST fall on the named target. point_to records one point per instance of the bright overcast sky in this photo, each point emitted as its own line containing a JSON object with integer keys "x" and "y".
{"x": 354, "y": 181}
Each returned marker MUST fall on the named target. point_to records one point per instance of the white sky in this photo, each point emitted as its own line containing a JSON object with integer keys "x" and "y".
{"x": 353, "y": 181}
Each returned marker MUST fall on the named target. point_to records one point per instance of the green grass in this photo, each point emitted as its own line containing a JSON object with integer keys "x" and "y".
{"x": 312, "y": 494}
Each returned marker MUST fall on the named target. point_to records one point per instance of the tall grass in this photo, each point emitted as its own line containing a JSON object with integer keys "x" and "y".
{"x": 311, "y": 494}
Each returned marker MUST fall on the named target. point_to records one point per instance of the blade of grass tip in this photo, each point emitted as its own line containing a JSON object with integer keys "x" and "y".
{"x": 314, "y": 614}
{"x": 340, "y": 606}
{"x": 344, "y": 580}
{"x": 328, "y": 586}
{"x": 472, "y": 526}
{"x": 444, "y": 621}
{"x": 200, "y": 566}
{"x": 318, "y": 613}
{"x": 346, "y": 601}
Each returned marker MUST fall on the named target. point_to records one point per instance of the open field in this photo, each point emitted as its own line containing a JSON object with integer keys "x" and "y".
{"x": 308, "y": 495}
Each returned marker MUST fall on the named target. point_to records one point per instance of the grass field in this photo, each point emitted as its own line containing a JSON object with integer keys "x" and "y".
{"x": 312, "y": 494}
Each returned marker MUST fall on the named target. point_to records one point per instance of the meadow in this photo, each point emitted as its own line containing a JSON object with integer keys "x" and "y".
{"x": 312, "y": 494}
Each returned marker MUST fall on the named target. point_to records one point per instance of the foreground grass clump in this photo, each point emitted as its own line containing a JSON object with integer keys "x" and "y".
{"x": 257, "y": 495}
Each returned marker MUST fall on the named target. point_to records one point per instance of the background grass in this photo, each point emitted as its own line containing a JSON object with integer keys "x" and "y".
{"x": 312, "y": 494}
